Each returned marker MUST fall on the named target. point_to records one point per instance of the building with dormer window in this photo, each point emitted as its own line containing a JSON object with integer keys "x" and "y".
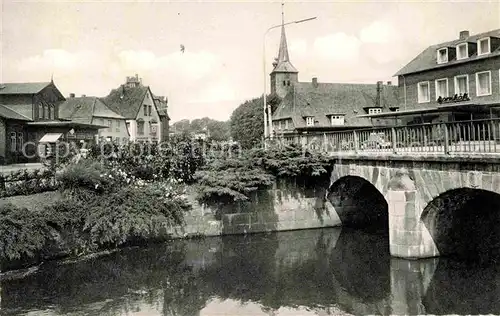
{"x": 145, "y": 114}
{"x": 451, "y": 81}
{"x": 316, "y": 106}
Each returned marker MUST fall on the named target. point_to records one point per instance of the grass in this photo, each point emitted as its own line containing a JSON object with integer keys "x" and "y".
{"x": 34, "y": 201}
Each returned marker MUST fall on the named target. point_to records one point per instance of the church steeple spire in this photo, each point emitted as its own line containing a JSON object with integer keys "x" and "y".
{"x": 284, "y": 75}
{"x": 282, "y": 63}
{"x": 283, "y": 50}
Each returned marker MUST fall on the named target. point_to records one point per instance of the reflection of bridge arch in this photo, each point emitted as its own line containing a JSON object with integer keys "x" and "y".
{"x": 358, "y": 203}
{"x": 464, "y": 221}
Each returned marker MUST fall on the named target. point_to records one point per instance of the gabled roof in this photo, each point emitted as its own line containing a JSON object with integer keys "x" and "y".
{"x": 426, "y": 60}
{"x": 23, "y": 87}
{"x": 126, "y": 101}
{"x": 161, "y": 106}
{"x": 82, "y": 109}
{"x": 326, "y": 99}
{"x": 8, "y": 113}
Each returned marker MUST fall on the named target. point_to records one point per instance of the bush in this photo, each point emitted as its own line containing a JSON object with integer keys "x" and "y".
{"x": 178, "y": 159}
{"x": 91, "y": 175}
{"x": 230, "y": 179}
{"x": 255, "y": 169}
{"x": 87, "y": 221}
{"x": 22, "y": 232}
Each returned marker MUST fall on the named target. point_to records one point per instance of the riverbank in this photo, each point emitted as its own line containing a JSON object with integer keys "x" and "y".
{"x": 285, "y": 205}
{"x": 103, "y": 205}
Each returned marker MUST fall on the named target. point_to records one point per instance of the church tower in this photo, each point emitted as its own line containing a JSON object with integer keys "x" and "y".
{"x": 284, "y": 74}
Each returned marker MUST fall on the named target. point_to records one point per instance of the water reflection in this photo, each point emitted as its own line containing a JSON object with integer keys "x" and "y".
{"x": 311, "y": 272}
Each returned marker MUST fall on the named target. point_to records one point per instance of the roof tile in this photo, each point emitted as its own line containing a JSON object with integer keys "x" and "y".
{"x": 22, "y": 87}
{"x": 326, "y": 99}
{"x": 426, "y": 60}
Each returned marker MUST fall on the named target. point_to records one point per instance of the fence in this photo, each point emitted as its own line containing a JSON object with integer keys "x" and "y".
{"x": 475, "y": 136}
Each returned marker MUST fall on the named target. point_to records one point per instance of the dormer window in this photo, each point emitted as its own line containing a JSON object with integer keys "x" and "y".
{"x": 483, "y": 46}
{"x": 374, "y": 110}
{"x": 462, "y": 51}
{"x": 337, "y": 120}
{"x": 310, "y": 121}
{"x": 442, "y": 55}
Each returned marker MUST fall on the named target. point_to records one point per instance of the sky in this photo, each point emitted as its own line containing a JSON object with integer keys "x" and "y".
{"x": 89, "y": 47}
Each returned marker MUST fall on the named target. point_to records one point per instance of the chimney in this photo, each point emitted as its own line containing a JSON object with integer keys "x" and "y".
{"x": 464, "y": 35}
{"x": 389, "y": 83}
{"x": 71, "y": 95}
{"x": 315, "y": 82}
{"x": 379, "y": 93}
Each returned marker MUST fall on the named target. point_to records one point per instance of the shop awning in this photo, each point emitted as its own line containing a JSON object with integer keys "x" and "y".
{"x": 50, "y": 137}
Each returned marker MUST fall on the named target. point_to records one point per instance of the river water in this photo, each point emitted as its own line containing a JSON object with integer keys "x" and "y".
{"x": 327, "y": 271}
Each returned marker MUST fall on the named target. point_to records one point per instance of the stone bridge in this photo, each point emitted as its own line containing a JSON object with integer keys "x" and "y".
{"x": 433, "y": 205}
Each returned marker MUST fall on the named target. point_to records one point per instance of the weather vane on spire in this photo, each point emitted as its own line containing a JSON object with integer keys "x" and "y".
{"x": 282, "y": 12}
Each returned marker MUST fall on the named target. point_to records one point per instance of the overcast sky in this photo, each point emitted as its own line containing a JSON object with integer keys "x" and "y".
{"x": 90, "y": 47}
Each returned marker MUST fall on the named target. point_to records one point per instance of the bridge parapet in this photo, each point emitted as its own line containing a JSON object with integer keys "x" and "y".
{"x": 447, "y": 138}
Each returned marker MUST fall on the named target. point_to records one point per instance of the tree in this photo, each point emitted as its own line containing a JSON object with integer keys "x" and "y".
{"x": 181, "y": 126}
{"x": 247, "y": 120}
{"x": 218, "y": 130}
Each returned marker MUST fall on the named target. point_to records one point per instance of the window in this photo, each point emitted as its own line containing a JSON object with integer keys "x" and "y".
{"x": 118, "y": 125}
{"x": 424, "y": 92}
{"x": 284, "y": 82}
{"x": 442, "y": 55}
{"x": 140, "y": 128}
{"x": 483, "y": 83}
{"x": 110, "y": 123}
{"x": 127, "y": 125}
{"x": 279, "y": 124}
{"x": 145, "y": 110}
{"x": 337, "y": 119}
{"x": 40, "y": 111}
{"x": 20, "y": 141}
{"x": 462, "y": 84}
{"x": 153, "y": 126}
{"x": 462, "y": 51}
{"x": 483, "y": 46}
{"x": 310, "y": 121}
{"x": 49, "y": 110}
{"x": 441, "y": 88}
{"x": 13, "y": 141}
{"x": 374, "y": 110}
{"x": 286, "y": 124}
{"x": 149, "y": 110}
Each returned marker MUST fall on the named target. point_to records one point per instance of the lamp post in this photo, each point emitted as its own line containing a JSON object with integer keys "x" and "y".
{"x": 267, "y": 109}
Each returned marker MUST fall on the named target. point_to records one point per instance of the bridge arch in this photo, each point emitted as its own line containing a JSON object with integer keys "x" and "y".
{"x": 358, "y": 203}
{"x": 464, "y": 222}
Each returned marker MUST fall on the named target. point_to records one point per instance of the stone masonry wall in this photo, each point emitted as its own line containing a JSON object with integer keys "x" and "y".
{"x": 286, "y": 209}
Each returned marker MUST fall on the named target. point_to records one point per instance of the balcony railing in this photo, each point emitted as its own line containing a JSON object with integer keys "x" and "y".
{"x": 475, "y": 136}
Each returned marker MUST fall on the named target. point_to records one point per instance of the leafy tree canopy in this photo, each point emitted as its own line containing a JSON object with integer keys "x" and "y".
{"x": 217, "y": 130}
{"x": 247, "y": 120}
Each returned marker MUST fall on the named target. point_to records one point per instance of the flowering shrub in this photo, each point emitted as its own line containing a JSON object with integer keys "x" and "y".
{"x": 178, "y": 159}
{"x": 91, "y": 175}
{"x": 24, "y": 182}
